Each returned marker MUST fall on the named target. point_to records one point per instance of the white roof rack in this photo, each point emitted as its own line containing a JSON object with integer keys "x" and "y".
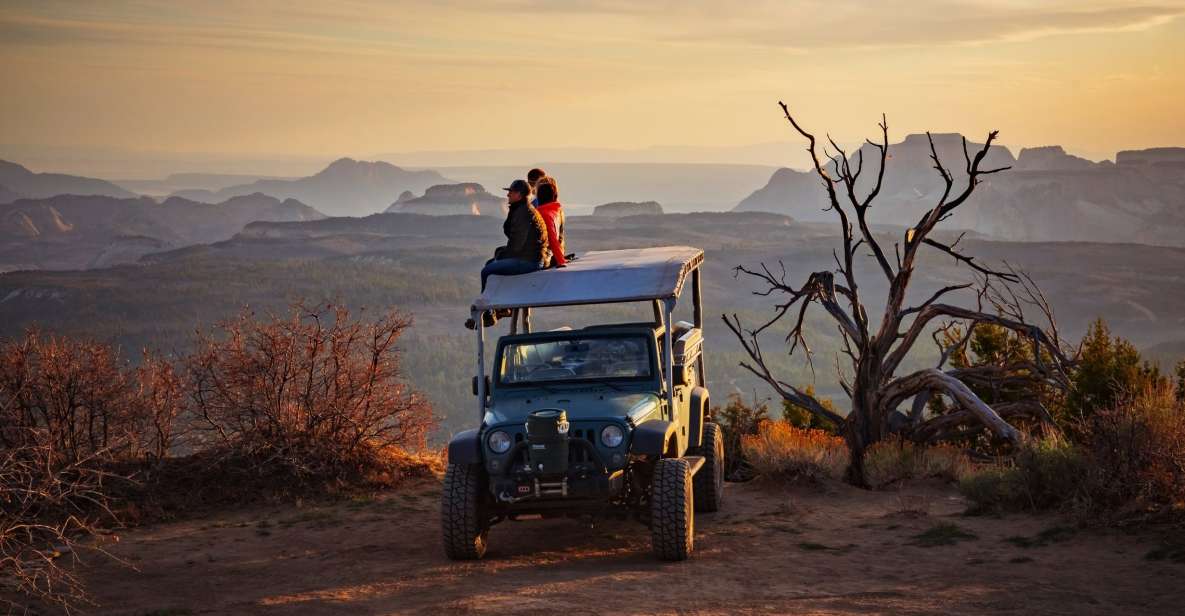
{"x": 598, "y": 277}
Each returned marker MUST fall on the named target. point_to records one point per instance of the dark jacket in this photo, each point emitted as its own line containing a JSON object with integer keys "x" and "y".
{"x": 526, "y": 235}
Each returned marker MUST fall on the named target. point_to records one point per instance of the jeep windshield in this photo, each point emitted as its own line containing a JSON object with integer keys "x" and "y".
{"x": 584, "y": 358}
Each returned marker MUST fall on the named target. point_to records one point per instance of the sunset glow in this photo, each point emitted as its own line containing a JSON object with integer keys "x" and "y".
{"x": 303, "y": 79}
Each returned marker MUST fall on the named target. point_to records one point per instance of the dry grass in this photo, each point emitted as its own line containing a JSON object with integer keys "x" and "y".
{"x": 779, "y": 449}
{"x": 894, "y": 460}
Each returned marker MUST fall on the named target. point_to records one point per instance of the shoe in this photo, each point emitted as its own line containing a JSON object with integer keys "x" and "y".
{"x": 503, "y": 313}
{"x": 488, "y": 319}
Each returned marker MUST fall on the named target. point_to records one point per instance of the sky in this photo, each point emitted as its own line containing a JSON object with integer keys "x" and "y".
{"x": 318, "y": 79}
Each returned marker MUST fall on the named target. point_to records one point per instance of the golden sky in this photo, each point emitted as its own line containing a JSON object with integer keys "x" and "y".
{"x": 322, "y": 78}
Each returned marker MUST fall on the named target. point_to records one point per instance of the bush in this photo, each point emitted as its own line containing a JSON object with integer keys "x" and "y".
{"x": 802, "y": 417}
{"x": 317, "y": 396}
{"x": 895, "y": 459}
{"x": 1137, "y": 453}
{"x": 736, "y": 421}
{"x": 1045, "y": 475}
{"x": 1109, "y": 371}
{"x": 779, "y": 449}
{"x": 49, "y": 513}
{"x": 304, "y": 403}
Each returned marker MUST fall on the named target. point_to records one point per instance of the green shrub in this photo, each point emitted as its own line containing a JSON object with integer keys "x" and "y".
{"x": 738, "y": 419}
{"x": 1048, "y": 474}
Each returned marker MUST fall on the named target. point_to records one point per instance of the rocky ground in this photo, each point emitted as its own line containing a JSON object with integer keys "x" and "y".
{"x": 773, "y": 549}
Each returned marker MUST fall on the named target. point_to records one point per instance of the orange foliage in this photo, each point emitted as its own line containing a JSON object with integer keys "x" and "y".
{"x": 780, "y": 449}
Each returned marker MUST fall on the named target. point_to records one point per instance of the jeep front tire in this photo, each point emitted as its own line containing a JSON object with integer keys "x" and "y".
{"x": 709, "y": 481}
{"x": 463, "y": 517}
{"x": 672, "y": 509}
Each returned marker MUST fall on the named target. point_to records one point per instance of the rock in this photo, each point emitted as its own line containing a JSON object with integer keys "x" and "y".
{"x": 450, "y": 200}
{"x": 1050, "y": 158}
{"x": 621, "y": 209}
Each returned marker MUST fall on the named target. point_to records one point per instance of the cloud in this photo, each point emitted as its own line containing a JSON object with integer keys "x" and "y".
{"x": 374, "y": 27}
{"x": 855, "y": 25}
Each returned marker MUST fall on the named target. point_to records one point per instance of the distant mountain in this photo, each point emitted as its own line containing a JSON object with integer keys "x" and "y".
{"x": 347, "y": 187}
{"x": 178, "y": 182}
{"x": 678, "y": 187}
{"x": 73, "y": 232}
{"x": 1051, "y": 158}
{"x": 451, "y": 199}
{"x": 8, "y": 196}
{"x": 21, "y": 181}
{"x": 1048, "y": 195}
{"x": 628, "y": 208}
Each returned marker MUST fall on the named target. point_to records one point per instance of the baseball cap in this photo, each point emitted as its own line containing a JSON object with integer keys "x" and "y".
{"x": 519, "y": 186}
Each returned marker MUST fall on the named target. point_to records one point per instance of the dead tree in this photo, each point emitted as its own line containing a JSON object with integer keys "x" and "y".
{"x": 876, "y": 350}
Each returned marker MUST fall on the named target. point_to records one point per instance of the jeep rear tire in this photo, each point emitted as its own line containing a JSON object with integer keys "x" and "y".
{"x": 709, "y": 481}
{"x": 672, "y": 509}
{"x": 463, "y": 517}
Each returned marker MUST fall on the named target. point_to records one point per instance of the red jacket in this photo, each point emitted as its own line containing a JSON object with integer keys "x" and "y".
{"x": 553, "y": 217}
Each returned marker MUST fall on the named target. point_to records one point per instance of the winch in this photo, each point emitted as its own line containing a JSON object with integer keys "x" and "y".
{"x": 547, "y": 441}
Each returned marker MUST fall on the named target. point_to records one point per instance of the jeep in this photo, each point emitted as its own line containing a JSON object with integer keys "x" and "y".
{"x": 603, "y": 421}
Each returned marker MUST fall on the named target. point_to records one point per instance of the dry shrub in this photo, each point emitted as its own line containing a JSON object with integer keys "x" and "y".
{"x": 779, "y": 449}
{"x": 313, "y": 397}
{"x": 78, "y": 399}
{"x": 895, "y": 459}
{"x": 1128, "y": 465}
{"x": 315, "y": 401}
{"x": 1136, "y": 450}
{"x": 49, "y": 513}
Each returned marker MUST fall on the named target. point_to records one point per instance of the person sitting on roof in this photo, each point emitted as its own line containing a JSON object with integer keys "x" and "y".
{"x": 533, "y": 177}
{"x": 553, "y": 216}
{"x": 526, "y": 248}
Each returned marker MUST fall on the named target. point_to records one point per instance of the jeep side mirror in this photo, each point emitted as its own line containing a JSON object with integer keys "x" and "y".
{"x": 474, "y": 385}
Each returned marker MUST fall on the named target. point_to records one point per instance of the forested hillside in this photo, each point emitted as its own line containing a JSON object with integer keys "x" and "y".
{"x": 428, "y": 266}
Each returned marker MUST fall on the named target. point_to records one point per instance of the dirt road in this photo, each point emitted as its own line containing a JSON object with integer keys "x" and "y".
{"x": 771, "y": 550}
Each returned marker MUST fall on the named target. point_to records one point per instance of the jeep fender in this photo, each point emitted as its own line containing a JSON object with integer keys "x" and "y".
{"x": 465, "y": 447}
{"x": 698, "y": 414}
{"x": 651, "y": 437}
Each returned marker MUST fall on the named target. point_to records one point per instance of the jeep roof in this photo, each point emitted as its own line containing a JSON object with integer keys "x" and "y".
{"x": 597, "y": 277}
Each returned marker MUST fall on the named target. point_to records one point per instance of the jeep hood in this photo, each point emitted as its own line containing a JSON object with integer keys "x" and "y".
{"x": 579, "y": 404}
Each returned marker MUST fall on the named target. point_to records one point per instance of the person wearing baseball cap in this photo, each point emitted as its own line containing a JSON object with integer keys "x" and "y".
{"x": 526, "y": 248}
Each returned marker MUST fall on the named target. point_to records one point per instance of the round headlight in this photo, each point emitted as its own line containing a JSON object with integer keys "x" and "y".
{"x": 499, "y": 442}
{"x": 611, "y": 436}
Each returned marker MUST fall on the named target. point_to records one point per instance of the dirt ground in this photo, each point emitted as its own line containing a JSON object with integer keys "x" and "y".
{"x": 800, "y": 550}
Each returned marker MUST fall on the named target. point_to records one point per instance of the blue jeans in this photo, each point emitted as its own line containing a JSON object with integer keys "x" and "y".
{"x": 506, "y": 267}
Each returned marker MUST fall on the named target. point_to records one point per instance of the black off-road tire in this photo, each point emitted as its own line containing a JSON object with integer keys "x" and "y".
{"x": 709, "y": 481}
{"x": 463, "y": 517}
{"x": 672, "y": 509}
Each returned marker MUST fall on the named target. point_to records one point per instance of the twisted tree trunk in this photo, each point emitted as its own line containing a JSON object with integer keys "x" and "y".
{"x": 875, "y": 391}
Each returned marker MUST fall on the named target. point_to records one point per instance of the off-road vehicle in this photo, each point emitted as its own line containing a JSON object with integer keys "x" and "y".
{"x": 606, "y": 420}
